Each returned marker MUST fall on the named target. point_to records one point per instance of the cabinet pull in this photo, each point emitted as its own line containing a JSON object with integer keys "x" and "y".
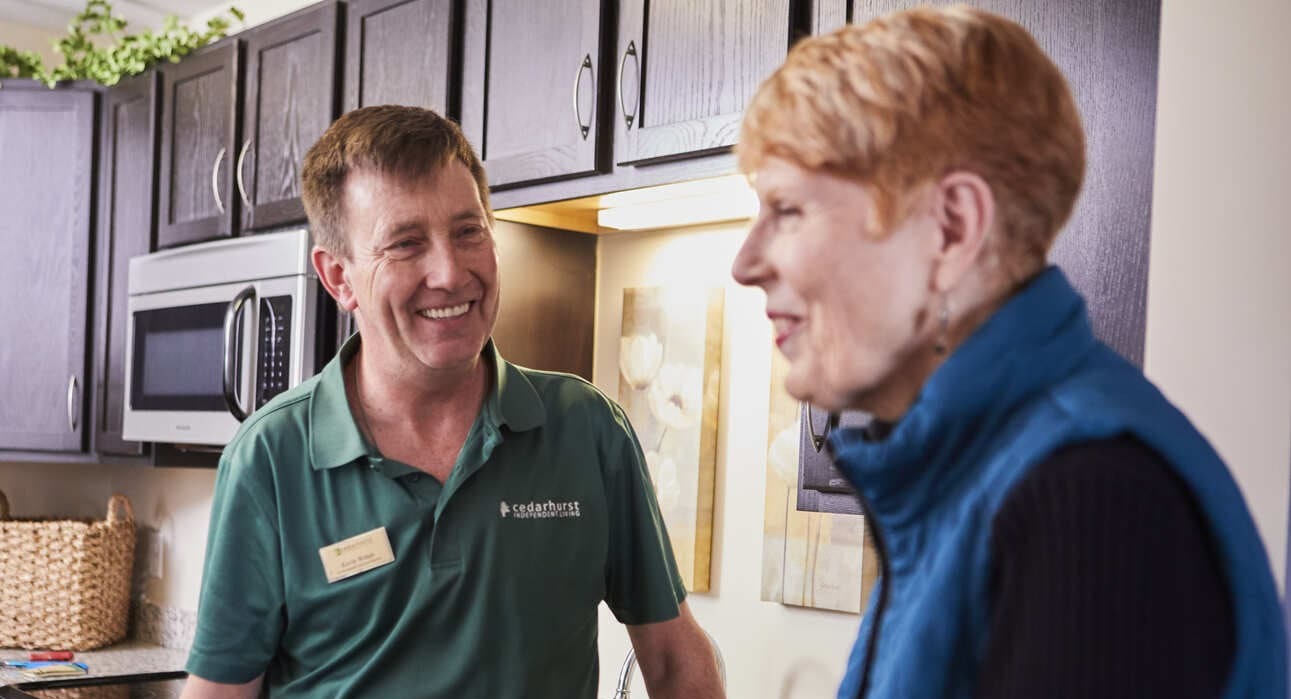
{"x": 632, "y": 51}
{"x": 242, "y": 188}
{"x": 72, "y": 403}
{"x": 831, "y": 424}
{"x": 586, "y": 65}
{"x": 215, "y": 180}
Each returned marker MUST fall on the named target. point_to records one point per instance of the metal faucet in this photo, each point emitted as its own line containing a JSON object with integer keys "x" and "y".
{"x": 623, "y": 690}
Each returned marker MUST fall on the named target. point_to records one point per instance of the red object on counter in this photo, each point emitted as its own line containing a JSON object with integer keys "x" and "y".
{"x": 50, "y": 655}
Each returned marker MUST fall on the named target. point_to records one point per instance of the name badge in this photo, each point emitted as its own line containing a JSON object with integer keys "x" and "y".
{"x": 357, "y": 554}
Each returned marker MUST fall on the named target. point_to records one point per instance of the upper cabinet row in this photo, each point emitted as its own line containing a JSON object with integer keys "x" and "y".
{"x": 544, "y": 91}
{"x": 550, "y": 86}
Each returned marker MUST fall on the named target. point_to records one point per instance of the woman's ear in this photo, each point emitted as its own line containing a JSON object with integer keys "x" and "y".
{"x": 964, "y": 206}
{"x": 332, "y": 273}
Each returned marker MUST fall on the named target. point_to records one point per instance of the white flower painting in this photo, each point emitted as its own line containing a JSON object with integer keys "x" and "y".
{"x": 670, "y": 353}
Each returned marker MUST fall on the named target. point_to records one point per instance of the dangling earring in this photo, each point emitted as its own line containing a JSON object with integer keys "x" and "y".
{"x": 943, "y": 331}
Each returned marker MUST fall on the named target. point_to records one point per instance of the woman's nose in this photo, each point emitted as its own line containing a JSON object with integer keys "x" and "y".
{"x": 749, "y": 267}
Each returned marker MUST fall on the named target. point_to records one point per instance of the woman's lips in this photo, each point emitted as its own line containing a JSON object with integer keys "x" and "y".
{"x": 784, "y": 327}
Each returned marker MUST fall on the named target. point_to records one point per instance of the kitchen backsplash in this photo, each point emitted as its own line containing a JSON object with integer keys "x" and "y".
{"x": 161, "y": 624}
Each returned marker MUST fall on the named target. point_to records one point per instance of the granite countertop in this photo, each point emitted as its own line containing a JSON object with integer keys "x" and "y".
{"x": 125, "y": 658}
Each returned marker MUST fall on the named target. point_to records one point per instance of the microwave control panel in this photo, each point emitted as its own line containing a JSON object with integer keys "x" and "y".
{"x": 273, "y": 356}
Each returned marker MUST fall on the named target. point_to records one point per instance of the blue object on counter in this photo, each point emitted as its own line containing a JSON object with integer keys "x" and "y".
{"x": 32, "y": 664}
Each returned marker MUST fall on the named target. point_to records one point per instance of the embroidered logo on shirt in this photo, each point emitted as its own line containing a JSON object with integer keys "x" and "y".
{"x": 549, "y": 509}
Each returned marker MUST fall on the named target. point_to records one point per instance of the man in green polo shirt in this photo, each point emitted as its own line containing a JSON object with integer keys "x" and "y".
{"x": 423, "y": 518}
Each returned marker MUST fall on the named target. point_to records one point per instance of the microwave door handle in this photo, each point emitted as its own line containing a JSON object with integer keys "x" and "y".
{"x": 231, "y": 314}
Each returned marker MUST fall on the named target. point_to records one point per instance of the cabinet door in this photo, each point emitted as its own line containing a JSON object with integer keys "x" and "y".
{"x": 687, "y": 69}
{"x": 291, "y": 99}
{"x": 46, "y": 188}
{"x": 126, "y": 222}
{"x": 198, "y": 141}
{"x": 539, "y": 67}
{"x": 400, "y": 52}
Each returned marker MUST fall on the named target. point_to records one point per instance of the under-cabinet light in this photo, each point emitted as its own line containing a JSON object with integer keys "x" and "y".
{"x": 676, "y": 205}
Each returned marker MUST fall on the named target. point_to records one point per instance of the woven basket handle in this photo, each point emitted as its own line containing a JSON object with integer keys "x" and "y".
{"x": 4, "y": 506}
{"x": 117, "y": 504}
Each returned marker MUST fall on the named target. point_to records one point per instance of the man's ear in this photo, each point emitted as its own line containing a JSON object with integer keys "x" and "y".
{"x": 965, "y": 212}
{"x": 331, "y": 271}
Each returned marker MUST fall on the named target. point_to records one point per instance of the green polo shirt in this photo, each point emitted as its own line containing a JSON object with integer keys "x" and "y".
{"x": 497, "y": 573}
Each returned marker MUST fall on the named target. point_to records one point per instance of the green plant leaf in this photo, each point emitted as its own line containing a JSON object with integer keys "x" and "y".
{"x": 97, "y": 48}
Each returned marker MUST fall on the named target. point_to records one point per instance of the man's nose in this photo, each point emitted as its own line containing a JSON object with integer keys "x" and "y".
{"x": 445, "y": 268}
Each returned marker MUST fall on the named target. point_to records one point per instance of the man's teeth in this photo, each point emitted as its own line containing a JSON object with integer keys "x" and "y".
{"x": 441, "y": 313}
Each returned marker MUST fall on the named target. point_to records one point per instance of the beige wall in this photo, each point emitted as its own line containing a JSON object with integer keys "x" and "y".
{"x": 1219, "y": 281}
{"x": 25, "y": 38}
{"x": 1218, "y": 343}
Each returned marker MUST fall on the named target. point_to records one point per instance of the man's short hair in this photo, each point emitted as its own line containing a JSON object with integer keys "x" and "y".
{"x": 407, "y": 142}
{"x": 914, "y": 95}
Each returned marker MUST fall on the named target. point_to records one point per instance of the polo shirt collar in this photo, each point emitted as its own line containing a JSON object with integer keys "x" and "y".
{"x": 513, "y": 401}
{"x": 335, "y": 439}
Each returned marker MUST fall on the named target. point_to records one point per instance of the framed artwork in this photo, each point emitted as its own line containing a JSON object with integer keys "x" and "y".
{"x": 823, "y": 560}
{"x": 670, "y": 356}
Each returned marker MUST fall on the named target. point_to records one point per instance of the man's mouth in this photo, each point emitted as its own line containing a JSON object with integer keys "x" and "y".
{"x": 445, "y": 312}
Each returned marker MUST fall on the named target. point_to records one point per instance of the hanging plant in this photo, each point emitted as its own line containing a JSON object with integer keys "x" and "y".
{"x": 97, "y": 48}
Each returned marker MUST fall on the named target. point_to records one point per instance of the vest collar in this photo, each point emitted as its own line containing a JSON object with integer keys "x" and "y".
{"x": 1037, "y": 337}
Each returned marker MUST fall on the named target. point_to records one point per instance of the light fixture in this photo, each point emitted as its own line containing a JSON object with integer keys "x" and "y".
{"x": 675, "y": 205}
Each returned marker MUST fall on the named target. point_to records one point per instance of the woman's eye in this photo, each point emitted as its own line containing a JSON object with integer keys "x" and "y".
{"x": 786, "y": 211}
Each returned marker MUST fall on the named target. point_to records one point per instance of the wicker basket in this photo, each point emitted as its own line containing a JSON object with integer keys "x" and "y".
{"x": 65, "y": 584}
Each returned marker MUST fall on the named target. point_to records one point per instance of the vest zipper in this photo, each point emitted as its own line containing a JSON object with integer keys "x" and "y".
{"x": 880, "y": 546}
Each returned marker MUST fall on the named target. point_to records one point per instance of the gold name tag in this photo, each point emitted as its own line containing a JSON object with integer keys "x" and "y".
{"x": 357, "y": 554}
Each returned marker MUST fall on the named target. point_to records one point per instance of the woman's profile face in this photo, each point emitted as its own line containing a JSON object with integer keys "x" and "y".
{"x": 850, "y": 306}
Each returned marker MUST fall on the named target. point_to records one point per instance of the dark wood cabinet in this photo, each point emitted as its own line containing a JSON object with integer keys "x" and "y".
{"x": 126, "y": 226}
{"x": 291, "y": 97}
{"x": 532, "y": 76}
{"x": 199, "y": 146}
{"x": 46, "y": 199}
{"x": 687, "y": 69}
{"x": 401, "y": 52}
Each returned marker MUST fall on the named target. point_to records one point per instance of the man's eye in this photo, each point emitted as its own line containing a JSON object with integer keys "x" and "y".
{"x": 786, "y": 211}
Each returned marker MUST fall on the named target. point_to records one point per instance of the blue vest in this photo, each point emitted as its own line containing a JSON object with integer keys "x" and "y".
{"x": 1031, "y": 380}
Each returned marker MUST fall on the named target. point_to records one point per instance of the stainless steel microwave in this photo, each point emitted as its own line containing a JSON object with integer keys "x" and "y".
{"x": 216, "y": 330}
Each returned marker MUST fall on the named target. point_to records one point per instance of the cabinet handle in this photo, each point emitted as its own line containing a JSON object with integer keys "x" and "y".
{"x": 72, "y": 403}
{"x": 242, "y": 188}
{"x": 632, "y": 51}
{"x": 231, "y": 313}
{"x": 831, "y": 424}
{"x": 215, "y": 180}
{"x": 586, "y": 65}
